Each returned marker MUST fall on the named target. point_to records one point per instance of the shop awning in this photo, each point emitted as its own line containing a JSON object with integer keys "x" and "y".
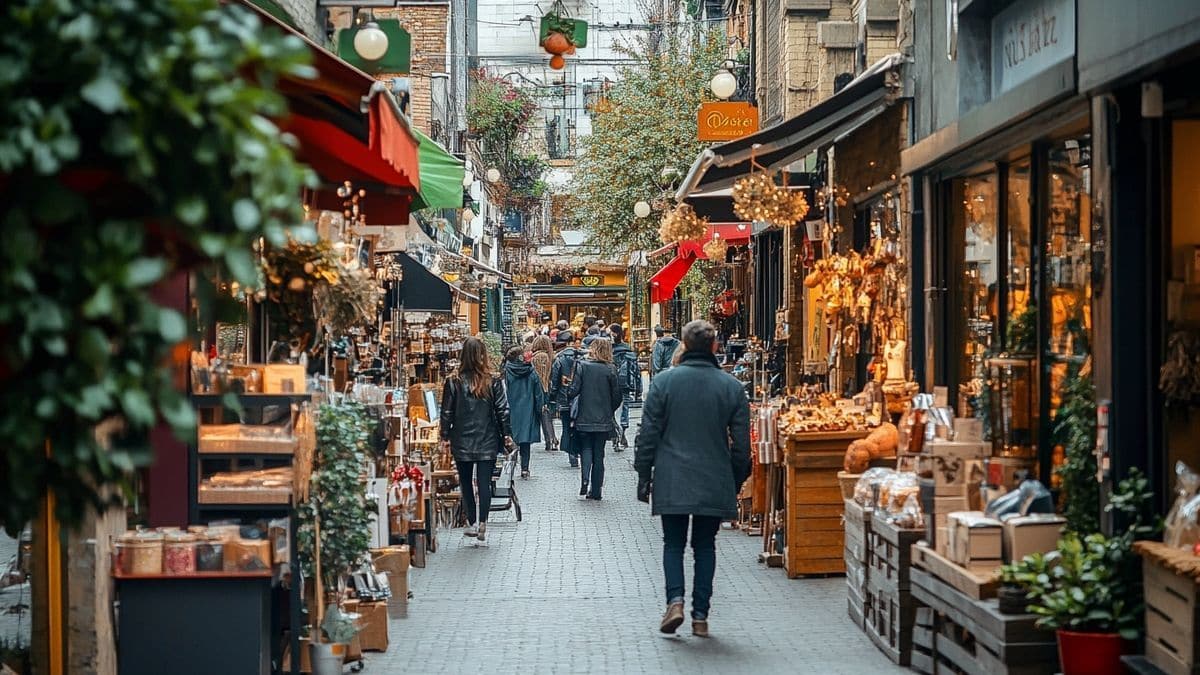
{"x": 377, "y": 151}
{"x": 666, "y": 280}
{"x": 776, "y": 147}
{"x": 441, "y": 176}
{"x": 420, "y": 290}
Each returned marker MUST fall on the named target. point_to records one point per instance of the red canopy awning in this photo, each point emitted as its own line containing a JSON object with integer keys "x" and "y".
{"x": 665, "y": 281}
{"x": 376, "y": 151}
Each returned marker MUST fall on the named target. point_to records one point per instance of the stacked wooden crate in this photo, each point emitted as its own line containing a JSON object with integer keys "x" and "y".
{"x": 857, "y": 531}
{"x": 814, "y": 502}
{"x": 889, "y": 609}
{"x": 1171, "y": 581}
{"x": 959, "y": 627}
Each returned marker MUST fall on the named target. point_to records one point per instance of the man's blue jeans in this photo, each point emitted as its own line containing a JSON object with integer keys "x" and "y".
{"x": 626, "y": 399}
{"x": 704, "y": 550}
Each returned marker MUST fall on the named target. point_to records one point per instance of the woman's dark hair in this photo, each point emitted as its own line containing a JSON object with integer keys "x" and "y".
{"x": 515, "y": 354}
{"x": 474, "y": 368}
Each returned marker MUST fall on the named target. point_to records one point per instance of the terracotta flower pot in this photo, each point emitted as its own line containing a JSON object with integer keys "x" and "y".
{"x": 1091, "y": 653}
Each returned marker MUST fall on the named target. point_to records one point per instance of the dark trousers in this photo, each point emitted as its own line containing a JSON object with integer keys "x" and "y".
{"x": 548, "y": 428}
{"x": 479, "y": 473}
{"x": 570, "y": 440}
{"x": 591, "y": 460}
{"x": 704, "y": 550}
{"x": 524, "y": 448}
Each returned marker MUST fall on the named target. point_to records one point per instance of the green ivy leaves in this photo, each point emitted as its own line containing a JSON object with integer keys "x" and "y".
{"x": 135, "y": 142}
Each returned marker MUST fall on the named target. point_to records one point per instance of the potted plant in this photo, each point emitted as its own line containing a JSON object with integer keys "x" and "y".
{"x": 1089, "y": 589}
{"x": 339, "y": 629}
{"x": 335, "y": 523}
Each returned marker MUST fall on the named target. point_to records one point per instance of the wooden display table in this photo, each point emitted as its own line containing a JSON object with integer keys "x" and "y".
{"x": 813, "y": 501}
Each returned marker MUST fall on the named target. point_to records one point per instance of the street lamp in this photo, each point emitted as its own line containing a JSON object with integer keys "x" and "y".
{"x": 370, "y": 42}
{"x": 493, "y": 175}
{"x": 724, "y": 84}
{"x": 641, "y": 209}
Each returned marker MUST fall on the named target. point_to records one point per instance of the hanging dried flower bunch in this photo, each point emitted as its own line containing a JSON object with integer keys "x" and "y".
{"x": 757, "y": 198}
{"x": 715, "y": 249}
{"x": 682, "y": 224}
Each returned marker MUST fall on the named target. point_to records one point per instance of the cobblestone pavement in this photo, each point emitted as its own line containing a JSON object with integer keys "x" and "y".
{"x": 577, "y": 588}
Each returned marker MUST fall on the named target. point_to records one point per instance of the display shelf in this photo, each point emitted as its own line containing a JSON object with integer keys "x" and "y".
{"x": 254, "y": 574}
{"x": 249, "y": 400}
{"x": 265, "y": 506}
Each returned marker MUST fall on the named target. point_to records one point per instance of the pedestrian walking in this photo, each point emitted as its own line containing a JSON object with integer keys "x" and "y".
{"x": 693, "y": 454}
{"x": 664, "y": 347}
{"x": 595, "y": 396}
{"x": 562, "y": 373}
{"x": 629, "y": 377}
{"x": 525, "y": 403}
{"x": 475, "y": 426}
{"x": 543, "y": 361}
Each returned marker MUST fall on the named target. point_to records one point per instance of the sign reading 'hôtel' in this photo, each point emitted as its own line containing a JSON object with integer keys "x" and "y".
{"x": 726, "y": 120}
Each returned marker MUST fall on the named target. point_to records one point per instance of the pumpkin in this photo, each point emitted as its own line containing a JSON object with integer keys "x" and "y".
{"x": 886, "y": 439}
{"x": 556, "y": 43}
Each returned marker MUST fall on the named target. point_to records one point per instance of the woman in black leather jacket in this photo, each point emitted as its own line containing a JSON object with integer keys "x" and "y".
{"x": 475, "y": 426}
{"x": 595, "y": 395}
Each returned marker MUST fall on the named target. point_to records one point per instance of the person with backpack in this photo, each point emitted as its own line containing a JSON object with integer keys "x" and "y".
{"x": 562, "y": 373}
{"x": 629, "y": 377}
{"x": 664, "y": 349}
{"x": 524, "y": 390}
{"x": 475, "y": 427}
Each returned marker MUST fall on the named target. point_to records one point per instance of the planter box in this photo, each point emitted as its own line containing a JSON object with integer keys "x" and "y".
{"x": 1170, "y": 584}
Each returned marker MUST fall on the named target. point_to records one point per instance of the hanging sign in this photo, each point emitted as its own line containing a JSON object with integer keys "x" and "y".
{"x": 1028, "y": 38}
{"x": 397, "y": 60}
{"x": 726, "y": 120}
{"x": 590, "y": 280}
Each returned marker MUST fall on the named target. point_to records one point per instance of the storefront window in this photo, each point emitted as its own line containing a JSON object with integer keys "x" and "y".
{"x": 977, "y": 223}
{"x": 1068, "y": 261}
{"x": 1020, "y": 283}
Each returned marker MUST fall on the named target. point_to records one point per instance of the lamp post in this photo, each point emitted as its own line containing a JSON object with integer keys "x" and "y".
{"x": 724, "y": 84}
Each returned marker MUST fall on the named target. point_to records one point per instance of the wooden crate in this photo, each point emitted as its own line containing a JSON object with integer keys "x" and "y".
{"x": 888, "y": 620}
{"x": 965, "y": 635}
{"x": 889, "y": 552}
{"x": 857, "y": 525}
{"x": 814, "y": 530}
{"x": 1171, "y": 616}
{"x": 856, "y": 529}
{"x": 976, "y": 582}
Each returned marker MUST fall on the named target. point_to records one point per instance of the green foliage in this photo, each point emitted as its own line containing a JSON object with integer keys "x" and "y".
{"x": 336, "y": 496}
{"x": 646, "y": 124}
{"x": 1075, "y": 430}
{"x": 500, "y": 113}
{"x": 1092, "y": 583}
{"x": 1021, "y": 336}
{"x": 701, "y": 284}
{"x": 135, "y": 141}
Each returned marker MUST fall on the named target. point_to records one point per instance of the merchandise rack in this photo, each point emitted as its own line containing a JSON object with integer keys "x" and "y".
{"x": 202, "y": 513}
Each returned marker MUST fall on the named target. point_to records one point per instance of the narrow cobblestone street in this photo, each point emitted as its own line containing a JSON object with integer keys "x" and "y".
{"x": 576, "y": 587}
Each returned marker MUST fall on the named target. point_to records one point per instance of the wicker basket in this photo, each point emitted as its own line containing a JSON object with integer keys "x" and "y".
{"x": 848, "y": 481}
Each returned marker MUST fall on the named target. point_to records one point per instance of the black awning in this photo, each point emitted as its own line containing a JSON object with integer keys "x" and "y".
{"x": 420, "y": 290}
{"x": 778, "y": 146}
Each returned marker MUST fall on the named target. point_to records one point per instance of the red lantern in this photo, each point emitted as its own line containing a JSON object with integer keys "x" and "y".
{"x": 557, "y": 62}
{"x": 556, "y": 43}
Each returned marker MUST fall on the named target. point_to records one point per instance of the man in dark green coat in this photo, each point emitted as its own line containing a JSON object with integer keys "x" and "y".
{"x": 693, "y": 454}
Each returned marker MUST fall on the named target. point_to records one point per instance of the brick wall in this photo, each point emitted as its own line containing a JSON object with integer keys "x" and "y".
{"x": 428, "y": 25}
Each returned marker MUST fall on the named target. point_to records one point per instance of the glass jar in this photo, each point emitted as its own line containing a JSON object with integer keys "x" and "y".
{"x": 210, "y": 553}
{"x": 140, "y": 552}
{"x": 179, "y": 553}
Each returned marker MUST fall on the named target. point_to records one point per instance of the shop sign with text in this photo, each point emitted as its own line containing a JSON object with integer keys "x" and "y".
{"x": 726, "y": 120}
{"x": 1028, "y": 38}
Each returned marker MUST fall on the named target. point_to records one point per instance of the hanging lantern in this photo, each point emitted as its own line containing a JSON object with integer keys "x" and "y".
{"x": 715, "y": 249}
{"x": 682, "y": 224}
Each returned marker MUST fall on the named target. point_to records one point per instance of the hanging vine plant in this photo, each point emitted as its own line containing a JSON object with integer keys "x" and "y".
{"x": 500, "y": 114}
{"x": 135, "y": 142}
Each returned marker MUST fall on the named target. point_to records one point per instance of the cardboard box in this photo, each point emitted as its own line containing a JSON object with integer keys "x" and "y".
{"x": 398, "y": 581}
{"x": 952, "y": 476}
{"x": 975, "y": 538}
{"x": 1025, "y": 535}
{"x": 392, "y": 559}
{"x": 963, "y": 449}
{"x": 373, "y": 620}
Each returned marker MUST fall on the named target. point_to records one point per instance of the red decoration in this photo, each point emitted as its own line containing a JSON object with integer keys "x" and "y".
{"x": 556, "y": 43}
{"x": 557, "y": 62}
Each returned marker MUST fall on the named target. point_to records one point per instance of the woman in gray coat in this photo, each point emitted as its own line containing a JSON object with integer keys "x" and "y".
{"x": 594, "y": 395}
{"x": 475, "y": 426}
{"x": 693, "y": 454}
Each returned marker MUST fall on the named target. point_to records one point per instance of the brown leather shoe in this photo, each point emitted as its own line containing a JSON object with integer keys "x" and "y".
{"x": 672, "y": 619}
{"x": 699, "y": 628}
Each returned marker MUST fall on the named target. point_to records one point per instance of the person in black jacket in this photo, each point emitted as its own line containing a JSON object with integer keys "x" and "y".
{"x": 693, "y": 454}
{"x": 629, "y": 376}
{"x": 660, "y": 354}
{"x": 595, "y": 396}
{"x": 475, "y": 426}
{"x": 562, "y": 372}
